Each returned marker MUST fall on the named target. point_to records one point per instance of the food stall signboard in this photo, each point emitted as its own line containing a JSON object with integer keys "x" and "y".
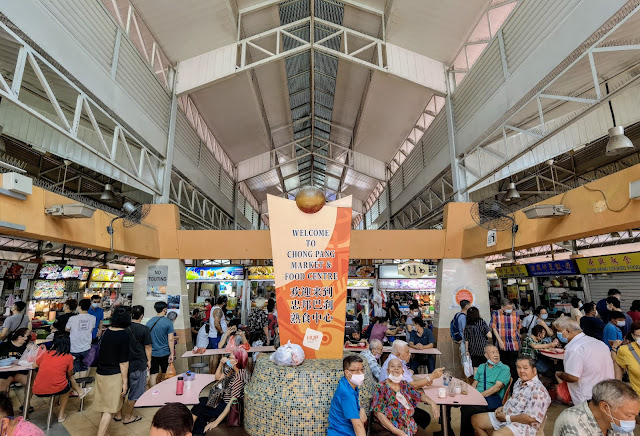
{"x": 311, "y": 264}
{"x": 407, "y": 285}
{"x": 260, "y": 273}
{"x": 214, "y": 273}
{"x": 17, "y": 270}
{"x": 362, "y": 271}
{"x": 556, "y": 268}
{"x": 610, "y": 263}
{"x": 106, "y": 275}
{"x": 416, "y": 270}
{"x": 513, "y": 271}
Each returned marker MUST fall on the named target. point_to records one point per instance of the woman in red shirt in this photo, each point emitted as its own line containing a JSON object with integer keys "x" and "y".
{"x": 55, "y": 374}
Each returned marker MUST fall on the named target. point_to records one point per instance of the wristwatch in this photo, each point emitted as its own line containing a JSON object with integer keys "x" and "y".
{"x": 507, "y": 418}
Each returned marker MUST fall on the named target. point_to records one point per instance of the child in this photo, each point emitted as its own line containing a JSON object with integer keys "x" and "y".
{"x": 55, "y": 374}
{"x": 11, "y": 426}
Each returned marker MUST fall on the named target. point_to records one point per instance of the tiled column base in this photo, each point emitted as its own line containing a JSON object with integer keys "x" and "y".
{"x": 295, "y": 401}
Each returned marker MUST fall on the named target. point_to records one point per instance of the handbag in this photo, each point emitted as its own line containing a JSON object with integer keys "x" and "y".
{"x": 234, "y": 418}
{"x": 217, "y": 392}
{"x": 493, "y": 401}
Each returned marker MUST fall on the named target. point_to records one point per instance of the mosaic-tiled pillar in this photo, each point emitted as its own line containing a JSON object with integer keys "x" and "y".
{"x": 295, "y": 401}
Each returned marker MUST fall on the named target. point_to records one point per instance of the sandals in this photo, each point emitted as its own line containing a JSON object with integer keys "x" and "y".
{"x": 136, "y": 419}
{"x": 84, "y": 393}
{"x": 62, "y": 419}
{"x": 116, "y": 419}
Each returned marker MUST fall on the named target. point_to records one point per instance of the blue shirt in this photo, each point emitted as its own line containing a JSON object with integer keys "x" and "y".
{"x": 345, "y": 406}
{"x": 462, "y": 323}
{"x": 611, "y": 333}
{"x": 601, "y": 307}
{"x": 161, "y": 327}
{"x": 99, "y": 314}
{"x": 425, "y": 339}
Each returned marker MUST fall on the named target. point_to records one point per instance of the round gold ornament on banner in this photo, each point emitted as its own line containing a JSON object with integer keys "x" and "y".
{"x": 310, "y": 199}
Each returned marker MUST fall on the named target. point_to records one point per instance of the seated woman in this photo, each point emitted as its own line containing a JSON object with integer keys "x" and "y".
{"x": 233, "y": 372}
{"x": 394, "y": 405}
{"x": 233, "y": 335}
{"x": 55, "y": 374}
{"x": 14, "y": 346}
{"x": 535, "y": 342}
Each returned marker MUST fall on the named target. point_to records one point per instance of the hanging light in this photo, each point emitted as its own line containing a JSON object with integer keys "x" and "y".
{"x": 128, "y": 207}
{"x": 512, "y": 192}
{"x": 107, "y": 194}
{"x": 618, "y": 143}
{"x": 48, "y": 246}
{"x": 615, "y": 235}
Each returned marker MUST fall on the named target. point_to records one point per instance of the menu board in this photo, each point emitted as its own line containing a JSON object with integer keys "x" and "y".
{"x": 47, "y": 289}
{"x": 362, "y": 271}
{"x": 407, "y": 284}
{"x": 214, "y": 273}
{"x": 360, "y": 283}
{"x": 106, "y": 275}
{"x": 53, "y": 271}
{"x": 260, "y": 273}
{"x": 17, "y": 270}
{"x": 105, "y": 285}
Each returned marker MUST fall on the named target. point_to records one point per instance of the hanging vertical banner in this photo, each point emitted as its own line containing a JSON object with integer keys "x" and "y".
{"x": 311, "y": 265}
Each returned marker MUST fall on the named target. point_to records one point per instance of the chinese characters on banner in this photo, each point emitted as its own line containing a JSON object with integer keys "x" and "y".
{"x": 311, "y": 265}
{"x": 610, "y": 263}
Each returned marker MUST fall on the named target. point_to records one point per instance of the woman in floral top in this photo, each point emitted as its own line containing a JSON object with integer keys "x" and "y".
{"x": 394, "y": 404}
{"x": 259, "y": 323}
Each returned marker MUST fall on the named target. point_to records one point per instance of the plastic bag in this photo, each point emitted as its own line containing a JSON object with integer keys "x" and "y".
{"x": 171, "y": 371}
{"x": 31, "y": 353}
{"x": 288, "y": 355}
{"x": 562, "y": 392}
{"x": 467, "y": 366}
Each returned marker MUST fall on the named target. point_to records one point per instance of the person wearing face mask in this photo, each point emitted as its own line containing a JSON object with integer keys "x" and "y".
{"x": 233, "y": 372}
{"x": 576, "y": 306}
{"x": 590, "y": 323}
{"x": 98, "y": 313}
{"x": 372, "y": 356}
{"x": 587, "y": 361}
{"x": 613, "y": 305}
{"x": 394, "y": 406}
{"x": 505, "y": 325}
{"x": 346, "y": 416}
{"x": 628, "y": 357}
{"x": 14, "y": 426}
{"x": 603, "y": 305}
{"x": 612, "y": 334}
{"x": 611, "y": 411}
{"x": 538, "y": 317}
{"x": 400, "y": 350}
{"x": 80, "y": 329}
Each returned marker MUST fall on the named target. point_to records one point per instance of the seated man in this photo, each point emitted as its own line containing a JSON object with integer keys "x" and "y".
{"x": 400, "y": 350}
{"x": 524, "y": 412}
{"x": 372, "y": 356}
{"x": 491, "y": 380}
{"x": 421, "y": 338}
{"x": 612, "y": 408}
{"x": 346, "y": 416}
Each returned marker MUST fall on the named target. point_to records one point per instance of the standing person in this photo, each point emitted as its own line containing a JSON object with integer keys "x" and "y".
{"x": 476, "y": 335}
{"x": 218, "y": 326}
{"x": 80, "y": 329}
{"x": 273, "y": 321}
{"x": 587, "y": 361}
{"x": 113, "y": 368}
{"x": 139, "y": 363}
{"x": 612, "y": 411}
{"x": 576, "y": 312}
{"x": 14, "y": 346}
{"x": 194, "y": 322}
{"x": 60, "y": 324}
{"x": 506, "y": 329}
{"x": 626, "y": 357}
{"x": 394, "y": 312}
{"x": 172, "y": 419}
{"x": 259, "y": 323}
{"x": 18, "y": 320}
{"x": 634, "y": 311}
{"x": 613, "y": 305}
{"x": 161, "y": 329}
{"x": 98, "y": 313}
{"x": 591, "y": 325}
{"x": 612, "y": 334}
{"x": 421, "y": 338}
{"x": 458, "y": 323}
{"x": 602, "y": 308}
{"x": 55, "y": 374}
{"x": 538, "y": 317}
{"x": 207, "y": 309}
{"x": 346, "y": 416}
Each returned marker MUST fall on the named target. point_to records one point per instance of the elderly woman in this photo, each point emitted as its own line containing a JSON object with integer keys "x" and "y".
{"x": 612, "y": 410}
{"x": 259, "y": 323}
{"x": 394, "y": 405}
{"x": 233, "y": 373}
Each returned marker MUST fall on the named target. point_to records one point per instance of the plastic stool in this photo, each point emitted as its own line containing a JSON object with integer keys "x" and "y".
{"x": 197, "y": 367}
{"x": 82, "y": 381}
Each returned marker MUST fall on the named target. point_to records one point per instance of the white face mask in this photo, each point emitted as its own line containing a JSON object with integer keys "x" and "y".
{"x": 395, "y": 378}
{"x": 357, "y": 379}
{"x": 638, "y": 341}
{"x": 507, "y": 311}
{"x": 621, "y": 323}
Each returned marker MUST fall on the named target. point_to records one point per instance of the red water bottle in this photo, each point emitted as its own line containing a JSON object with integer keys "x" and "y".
{"x": 180, "y": 386}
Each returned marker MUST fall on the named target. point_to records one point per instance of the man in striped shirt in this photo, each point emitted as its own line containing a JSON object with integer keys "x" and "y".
{"x": 505, "y": 325}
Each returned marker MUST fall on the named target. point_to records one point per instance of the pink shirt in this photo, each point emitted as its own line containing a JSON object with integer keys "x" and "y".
{"x": 378, "y": 332}
{"x": 26, "y": 428}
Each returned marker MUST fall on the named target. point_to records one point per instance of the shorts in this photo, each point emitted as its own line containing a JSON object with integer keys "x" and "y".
{"x": 108, "y": 393}
{"x": 137, "y": 384}
{"x": 64, "y": 391}
{"x": 157, "y": 363}
{"x": 78, "y": 361}
{"x": 516, "y": 428}
{"x": 6, "y": 375}
{"x": 213, "y": 343}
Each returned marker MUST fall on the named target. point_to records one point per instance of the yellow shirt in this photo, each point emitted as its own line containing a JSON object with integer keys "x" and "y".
{"x": 625, "y": 359}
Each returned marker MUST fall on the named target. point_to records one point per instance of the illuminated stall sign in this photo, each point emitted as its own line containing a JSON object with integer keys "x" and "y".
{"x": 513, "y": 271}
{"x": 556, "y": 268}
{"x": 626, "y": 262}
{"x": 214, "y": 273}
{"x": 260, "y": 272}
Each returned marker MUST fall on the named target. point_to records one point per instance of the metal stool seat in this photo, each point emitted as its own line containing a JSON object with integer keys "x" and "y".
{"x": 197, "y": 367}
{"x": 51, "y": 400}
{"x": 82, "y": 381}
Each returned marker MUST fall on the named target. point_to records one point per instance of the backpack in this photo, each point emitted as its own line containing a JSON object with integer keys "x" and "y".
{"x": 454, "y": 329}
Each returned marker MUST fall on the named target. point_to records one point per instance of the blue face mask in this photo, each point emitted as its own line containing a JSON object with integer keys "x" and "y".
{"x": 545, "y": 316}
{"x": 562, "y": 338}
{"x": 228, "y": 362}
{"x": 624, "y": 427}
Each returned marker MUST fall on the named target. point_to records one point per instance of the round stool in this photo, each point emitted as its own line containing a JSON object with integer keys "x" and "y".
{"x": 197, "y": 367}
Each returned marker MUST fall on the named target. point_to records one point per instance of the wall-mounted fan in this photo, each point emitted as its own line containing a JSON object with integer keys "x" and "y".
{"x": 132, "y": 216}
{"x": 490, "y": 215}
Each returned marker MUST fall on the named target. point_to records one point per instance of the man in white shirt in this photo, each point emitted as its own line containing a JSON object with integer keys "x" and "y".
{"x": 80, "y": 328}
{"x": 587, "y": 361}
{"x": 217, "y": 328}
